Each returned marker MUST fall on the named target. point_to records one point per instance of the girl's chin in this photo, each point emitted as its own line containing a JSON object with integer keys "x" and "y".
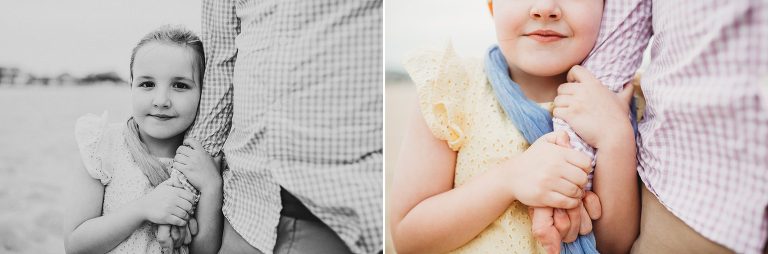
{"x": 545, "y": 70}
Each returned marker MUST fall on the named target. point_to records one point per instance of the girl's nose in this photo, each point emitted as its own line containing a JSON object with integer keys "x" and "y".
{"x": 546, "y": 10}
{"x": 161, "y": 99}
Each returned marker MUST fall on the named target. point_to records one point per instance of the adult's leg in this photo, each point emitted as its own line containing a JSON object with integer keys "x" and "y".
{"x": 662, "y": 232}
{"x": 300, "y": 231}
{"x": 232, "y": 242}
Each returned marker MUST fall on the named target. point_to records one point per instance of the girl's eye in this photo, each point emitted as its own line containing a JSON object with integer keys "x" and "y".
{"x": 180, "y": 85}
{"x": 146, "y": 84}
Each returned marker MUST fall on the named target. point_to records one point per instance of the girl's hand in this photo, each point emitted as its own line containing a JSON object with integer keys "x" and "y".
{"x": 201, "y": 170}
{"x": 596, "y": 114}
{"x": 167, "y": 205}
{"x": 547, "y": 174}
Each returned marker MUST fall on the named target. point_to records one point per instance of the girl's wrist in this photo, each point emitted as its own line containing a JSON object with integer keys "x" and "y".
{"x": 136, "y": 210}
{"x": 500, "y": 182}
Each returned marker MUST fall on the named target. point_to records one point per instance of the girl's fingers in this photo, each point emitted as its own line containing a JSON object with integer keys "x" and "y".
{"x": 196, "y": 145}
{"x": 175, "y": 220}
{"x": 579, "y": 74}
{"x": 185, "y": 150}
{"x": 626, "y": 93}
{"x": 575, "y": 176}
{"x": 558, "y": 200}
{"x": 181, "y": 213}
{"x": 578, "y": 159}
{"x": 185, "y": 205}
{"x": 185, "y": 195}
{"x": 562, "y": 101}
{"x": 567, "y": 89}
{"x": 562, "y": 113}
{"x": 568, "y": 189}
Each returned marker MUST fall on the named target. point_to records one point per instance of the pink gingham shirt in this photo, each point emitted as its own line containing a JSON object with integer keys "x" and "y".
{"x": 703, "y": 146}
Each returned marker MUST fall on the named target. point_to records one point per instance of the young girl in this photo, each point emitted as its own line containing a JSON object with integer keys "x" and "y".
{"x": 481, "y": 150}
{"x": 120, "y": 194}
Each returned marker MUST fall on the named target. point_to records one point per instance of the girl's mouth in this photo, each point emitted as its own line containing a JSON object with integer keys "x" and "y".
{"x": 161, "y": 117}
{"x": 545, "y": 35}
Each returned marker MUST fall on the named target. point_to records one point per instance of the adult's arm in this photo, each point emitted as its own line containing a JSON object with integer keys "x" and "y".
{"x": 624, "y": 35}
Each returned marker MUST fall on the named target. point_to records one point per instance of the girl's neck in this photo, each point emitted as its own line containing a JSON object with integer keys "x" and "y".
{"x": 162, "y": 148}
{"x": 537, "y": 88}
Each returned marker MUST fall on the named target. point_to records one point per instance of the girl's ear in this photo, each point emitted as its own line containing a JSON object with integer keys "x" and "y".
{"x": 490, "y": 6}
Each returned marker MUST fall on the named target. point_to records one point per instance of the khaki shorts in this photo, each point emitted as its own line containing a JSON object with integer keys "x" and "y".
{"x": 663, "y": 232}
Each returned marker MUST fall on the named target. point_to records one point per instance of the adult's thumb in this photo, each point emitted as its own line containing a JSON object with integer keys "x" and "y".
{"x": 626, "y": 93}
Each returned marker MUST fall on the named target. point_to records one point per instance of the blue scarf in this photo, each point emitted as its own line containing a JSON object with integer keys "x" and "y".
{"x": 531, "y": 119}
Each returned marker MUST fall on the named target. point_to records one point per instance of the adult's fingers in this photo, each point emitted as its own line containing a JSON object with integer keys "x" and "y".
{"x": 193, "y": 226}
{"x": 187, "y": 235}
{"x": 573, "y": 232}
{"x": 163, "y": 235}
{"x": 586, "y": 222}
{"x": 562, "y": 222}
{"x": 579, "y": 74}
{"x": 176, "y": 236}
{"x": 592, "y": 205}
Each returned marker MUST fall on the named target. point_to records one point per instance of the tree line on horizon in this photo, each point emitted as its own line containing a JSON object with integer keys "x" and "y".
{"x": 13, "y": 76}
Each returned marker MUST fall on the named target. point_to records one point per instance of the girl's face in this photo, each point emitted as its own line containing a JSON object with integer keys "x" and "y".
{"x": 546, "y": 37}
{"x": 165, "y": 90}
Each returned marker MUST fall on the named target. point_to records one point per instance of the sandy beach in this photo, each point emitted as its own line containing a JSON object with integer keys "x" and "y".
{"x": 37, "y": 155}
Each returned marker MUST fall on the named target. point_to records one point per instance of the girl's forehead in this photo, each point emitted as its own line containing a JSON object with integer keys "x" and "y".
{"x": 157, "y": 58}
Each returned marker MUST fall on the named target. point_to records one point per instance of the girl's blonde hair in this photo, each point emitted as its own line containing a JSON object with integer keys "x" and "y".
{"x": 155, "y": 171}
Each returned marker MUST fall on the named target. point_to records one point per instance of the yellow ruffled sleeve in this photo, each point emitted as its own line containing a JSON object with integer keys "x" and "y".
{"x": 441, "y": 82}
{"x": 91, "y": 134}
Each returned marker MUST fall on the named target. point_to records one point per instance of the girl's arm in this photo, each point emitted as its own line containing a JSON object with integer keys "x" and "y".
{"x": 88, "y": 231}
{"x": 428, "y": 215}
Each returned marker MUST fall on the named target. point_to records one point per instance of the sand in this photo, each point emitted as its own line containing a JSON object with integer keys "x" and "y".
{"x": 38, "y": 153}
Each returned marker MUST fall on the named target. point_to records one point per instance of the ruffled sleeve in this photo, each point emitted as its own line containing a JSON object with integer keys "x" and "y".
{"x": 90, "y": 134}
{"x": 441, "y": 82}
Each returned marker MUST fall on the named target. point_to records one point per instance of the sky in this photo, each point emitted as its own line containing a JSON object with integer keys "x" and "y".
{"x": 48, "y": 37}
{"x": 411, "y": 25}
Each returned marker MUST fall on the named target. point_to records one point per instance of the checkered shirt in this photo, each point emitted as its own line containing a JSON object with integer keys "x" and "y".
{"x": 703, "y": 146}
{"x": 300, "y": 85}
